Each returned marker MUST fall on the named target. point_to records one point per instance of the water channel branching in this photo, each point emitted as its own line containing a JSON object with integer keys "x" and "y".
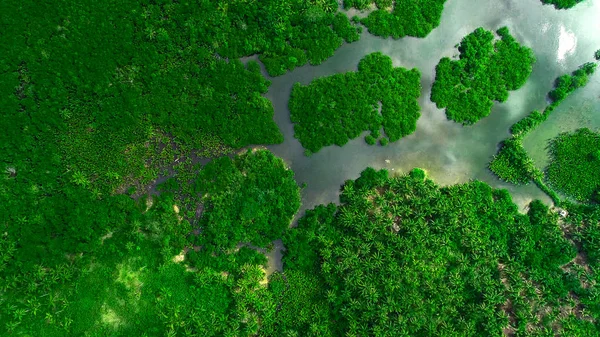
{"x": 135, "y": 199}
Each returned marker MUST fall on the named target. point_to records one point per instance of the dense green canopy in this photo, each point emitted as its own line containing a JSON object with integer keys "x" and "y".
{"x": 332, "y": 110}
{"x": 485, "y": 72}
{"x": 251, "y": 198}
{"x": 574, "y": 167}
{"x": 566, "y": 84}
{"x": 400, "y": 18}
{"x": 114, "y": 267}
{"x": 512, "y": 163}
{"x": 403, "y": 257}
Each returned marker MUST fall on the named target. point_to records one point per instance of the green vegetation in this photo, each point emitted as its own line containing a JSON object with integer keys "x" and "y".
{"x": 512, "y": 163}
{"x": 562, "y": 4}
{"x": 403, "y": 257}
{"x": 597, "y": 55}
{"x": 254, "y": 191}
{"x": 120, "y": 272}
{"x": 400, "y": 18}
{"x": 574, "y": 165}
{"x": 332, "y": 110}
{"x": 566, "y": 84}
{"x": 101, "y": 100}
{"x": 485, "y": 72}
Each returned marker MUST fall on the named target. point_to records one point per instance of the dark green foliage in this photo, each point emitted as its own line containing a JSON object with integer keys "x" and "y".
{"x": 512, "y": 163}
{"x": 407, "y": 17}
{"x": 485, "y": 72}
{"x": 566, "y": 84}
{"x": 403, "y": 256}
{"x": 562, "y": 4}
{"x": 597, "y": 55}
{"x": 574, "y": 164}
{"x": 332, "y": 110}
{"x": 254, "y": 191}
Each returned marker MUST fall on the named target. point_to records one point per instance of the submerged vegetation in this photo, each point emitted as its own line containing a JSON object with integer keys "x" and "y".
{"x": 332, "y": 110}
{"x": 485, "y": 72}
{"x": 400, "y": 18}
{"x": 575, "y": 165}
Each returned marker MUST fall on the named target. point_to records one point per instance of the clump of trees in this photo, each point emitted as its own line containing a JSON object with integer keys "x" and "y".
{"x": 255, "y": 191}
{"x": 485, "y": 72}
{"x": 400, "y": 18}
{"x": 575, "y": 163}
{"x": 566, "y": 84}
{"x": 331, "y": 110}
{"x": 562, "y": 4}
{"x": 512, "y": 163}
{"x": 597, "y": 55}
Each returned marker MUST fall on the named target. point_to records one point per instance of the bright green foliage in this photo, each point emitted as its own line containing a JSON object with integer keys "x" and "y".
{"x": 332, "y": 110}
{"x": 530, "y": 122}
{"x": 403, "y": 256}
{"x": 93, "y": 94}
{"x": 562, "y": 4}
{"x": 574, "y": 164}
{"x": 370, "y": 140}
{"x": 485, "y": 72}
{"x": 566, "y": 84}
{"x": 512, "y": 163}
{"x": 400, "y": 18}
{"x": 302, "y": 306}
{"x": 586, "y": 220}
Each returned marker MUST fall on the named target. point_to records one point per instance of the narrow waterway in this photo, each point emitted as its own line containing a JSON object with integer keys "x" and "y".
{"x": 450, "y": 153}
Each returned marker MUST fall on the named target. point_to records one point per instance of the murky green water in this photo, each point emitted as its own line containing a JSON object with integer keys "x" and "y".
{"x": 451, "y": 153}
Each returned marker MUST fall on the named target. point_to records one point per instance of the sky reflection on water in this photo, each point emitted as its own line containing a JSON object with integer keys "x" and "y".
{"x": 450, "y": 153}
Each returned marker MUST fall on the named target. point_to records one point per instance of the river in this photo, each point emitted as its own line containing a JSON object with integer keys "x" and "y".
{"x": 449, "y": 152}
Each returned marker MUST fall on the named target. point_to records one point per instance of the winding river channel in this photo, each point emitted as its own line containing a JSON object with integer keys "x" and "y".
{"x": 450, "y": 153}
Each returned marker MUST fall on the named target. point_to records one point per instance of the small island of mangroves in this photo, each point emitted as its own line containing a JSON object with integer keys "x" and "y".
{"x": 485, "y": 72}
{"x": 334, "y": 109}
